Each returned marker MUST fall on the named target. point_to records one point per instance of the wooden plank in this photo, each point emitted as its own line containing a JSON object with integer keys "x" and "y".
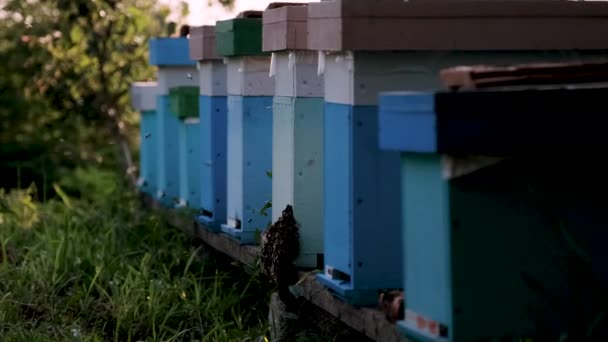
{"x": 486, "y": 76}
{"x": 285, "y": 28}
{"x": 454, "y": 25}
{"x": 202, "y": 43}
{"x": 371, "y": 322}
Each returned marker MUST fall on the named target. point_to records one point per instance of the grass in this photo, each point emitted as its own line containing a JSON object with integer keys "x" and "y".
{"x": 91, "y": 265}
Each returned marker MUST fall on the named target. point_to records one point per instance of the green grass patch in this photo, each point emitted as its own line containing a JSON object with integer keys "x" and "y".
{"x": 92, "y": 265}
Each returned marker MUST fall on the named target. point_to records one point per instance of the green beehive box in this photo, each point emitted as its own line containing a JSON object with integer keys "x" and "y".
{"x": 241, "y": 36}
{"x": 184, "y": 102}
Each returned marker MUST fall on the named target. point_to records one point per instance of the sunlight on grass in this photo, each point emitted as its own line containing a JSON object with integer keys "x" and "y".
{"x": 93, "y": 266}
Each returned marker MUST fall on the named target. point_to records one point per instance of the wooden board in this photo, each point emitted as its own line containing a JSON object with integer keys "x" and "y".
{"x": 202, "y": 43}
{"x": 285, "y": 28}
{"x": 486, "y": 76}
{"x": 455, "y": 25}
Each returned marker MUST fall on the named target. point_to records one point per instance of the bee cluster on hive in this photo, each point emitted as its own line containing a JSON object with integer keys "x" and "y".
{"x": 281, "y": 247}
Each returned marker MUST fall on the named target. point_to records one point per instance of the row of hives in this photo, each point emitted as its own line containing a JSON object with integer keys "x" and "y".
{"x": 459, "y": 198}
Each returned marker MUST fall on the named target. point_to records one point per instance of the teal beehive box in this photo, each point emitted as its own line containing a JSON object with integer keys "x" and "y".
{"x": 241, "y": 36}
{"x": 489, "y": 205}
{"x": 297, "y": 129}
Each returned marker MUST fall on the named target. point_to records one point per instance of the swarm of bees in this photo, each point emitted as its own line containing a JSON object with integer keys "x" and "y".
{"x": 281, "y": 247}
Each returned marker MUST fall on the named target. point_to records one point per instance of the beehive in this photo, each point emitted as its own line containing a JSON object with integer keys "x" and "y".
{"x": 423, "y": 38}
{"x": 297, "y": 153}
{"x": 479, "y": 227}
{"x": 170, "y": 55}
{"x": 213, "y": 118}
{"x": 249, "y": 129}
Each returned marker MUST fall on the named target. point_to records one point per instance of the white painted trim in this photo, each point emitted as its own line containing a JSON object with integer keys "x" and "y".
{"x": 143, "y": 95}
{"x": 296, "y": 74}
{"x": 176, "y": 77}
{"x": 375, "y": 72}
{"x": 212, "y": 76}
{"x": 248, "y": 76}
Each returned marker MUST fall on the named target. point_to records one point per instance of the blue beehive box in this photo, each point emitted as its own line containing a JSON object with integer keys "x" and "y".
{"x": 213, "y": 118}
{"x": 143, "y": 98}
{"x": 362, "y": 198}
{"x": 482, "y": 235}
{"x": 175, "y": 69}
{"x": 362, "y": 185}
{"x": 249, "y": 145}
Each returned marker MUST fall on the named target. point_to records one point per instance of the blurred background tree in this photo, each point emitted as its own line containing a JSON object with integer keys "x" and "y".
{"x": 64, "y": 83}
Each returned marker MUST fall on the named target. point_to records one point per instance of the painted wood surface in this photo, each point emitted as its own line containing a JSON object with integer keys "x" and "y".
{"x": 184, "y": 102}
{"x": 295, "y": 74}
{"x": 190, "y": 163}
{"x": 411, "y": 25}
{"x": 143, "y": 99}
{"x": 148, "y": 152}
{"x": 168, "y": 161}
{"x": 297, "y": 170}
{"x": 358, "y": 77}
{"x": 249, "y": 146}
{"x": 202, "y": 43}
{"x": 248, "y": 76}
{"x": 213, "y": 115}
{"x": 362, "y": 206}
{"x": 493, "y": 220}
{"x": 170, "y": 52}
{"x": 249, "y": 162}
{"x": 508, "y": 219}
{"x": 143, "y": 95}
{"x": 176, "y": 76}
{"x": 175, "y": 69}
{"x": 239, "y": 37}
{"x": 499, "y": 122}
{"x": 285, "y": 28}
{"x": 353, "y": 81}
{"x": 212, "y": 76}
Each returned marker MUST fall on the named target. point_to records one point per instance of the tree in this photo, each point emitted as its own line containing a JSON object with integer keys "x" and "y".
{"x": 66, "y": 71}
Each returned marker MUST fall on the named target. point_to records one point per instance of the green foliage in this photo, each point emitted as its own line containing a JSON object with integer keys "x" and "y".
{"x": 100, "y": 269}
{"x": 66, "y": 72}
